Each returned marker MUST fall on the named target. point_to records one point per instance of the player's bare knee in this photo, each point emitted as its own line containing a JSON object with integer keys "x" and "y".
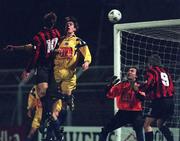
{"x": 146, "y": 126}
{"x": 42, "y": 93}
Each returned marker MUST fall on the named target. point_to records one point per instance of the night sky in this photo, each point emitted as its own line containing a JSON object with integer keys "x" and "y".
{"x": 21, "y": 19}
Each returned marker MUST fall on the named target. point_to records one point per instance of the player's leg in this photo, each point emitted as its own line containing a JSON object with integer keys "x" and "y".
{"x": 41, "y": 90}
{"x": 59, "y": 114}
{"x": 50, "y": 123}
{"x": 35, "y": 124}
{"x": 148, "y": 129}
{"x": 58, "y": 130}
{"x": 166, "y": 112}
{"x": 54, "y": 106}
{"x": 153, "y": 114}
{"x": 57, "y": 107}
{"x": 54, "y": 127}
{"x": 48, "y": 91}
{"x": 67, "y": 86}
{"x": 42, "y": 80}
{"x": 31, "y": 134}
{"x": 116, "y": 122}
{"x": 138, "y": 121}
{"x": 165, "y": 130}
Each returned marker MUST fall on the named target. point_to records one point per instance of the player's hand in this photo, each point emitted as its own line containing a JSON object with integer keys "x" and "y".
{"x": 31, "y": 112}
{"x": 134, "y": 86}
{"x": 141, "y": 95}
{"x": 25, "y": 75}
{"x": 112, "y": 81}
{"x": 85, "y": 66}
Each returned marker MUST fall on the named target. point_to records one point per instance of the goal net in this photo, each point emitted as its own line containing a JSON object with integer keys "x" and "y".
{"x": 134, "y": 42}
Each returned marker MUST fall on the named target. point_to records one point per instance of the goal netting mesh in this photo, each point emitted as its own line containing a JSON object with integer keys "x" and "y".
{"x": 136, "y": 44}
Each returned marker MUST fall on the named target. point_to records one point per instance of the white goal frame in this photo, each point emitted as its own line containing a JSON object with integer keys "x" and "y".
{"x": 117, "y": 46}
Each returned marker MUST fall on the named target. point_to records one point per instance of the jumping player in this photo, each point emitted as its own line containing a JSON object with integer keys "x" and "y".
{"x": 71, "y": 48}
{"x": 42, "y": 47}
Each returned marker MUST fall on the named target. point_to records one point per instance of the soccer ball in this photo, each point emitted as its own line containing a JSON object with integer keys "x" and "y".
{"x": 114, "y": 15}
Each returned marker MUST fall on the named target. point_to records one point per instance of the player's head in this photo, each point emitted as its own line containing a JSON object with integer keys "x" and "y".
{"x": 71, "y": 24}
{"x": 154, "y": 60}
{"x": 49, "y": 20}
{"x": 132, "y": 73}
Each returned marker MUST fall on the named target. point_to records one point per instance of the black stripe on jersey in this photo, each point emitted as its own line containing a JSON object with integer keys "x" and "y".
{"x": 159, "y": 83}
{"x": 155, "y": 86}
{"x": 81, "y": 43}
{"x": 41, "y": 40}
{"x": 51, "y": 34}
{"x": 57, "y": 33}
{"x": 46, "y": 35}
{"x": 153, "y": 73}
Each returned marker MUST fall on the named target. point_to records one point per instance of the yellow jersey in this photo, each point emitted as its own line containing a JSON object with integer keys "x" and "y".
{"x": 33, "y": 99}
{"x": 69, "y": 51}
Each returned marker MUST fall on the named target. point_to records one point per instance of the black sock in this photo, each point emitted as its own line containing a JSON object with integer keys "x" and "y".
{"x": 139, "y": 134}
{"x": 57, "y": 130}
{"x": 43, "y": 102}
{"x": 28, "y": 139}
{"x": 149, "y": 136}
{"x": 167, "y": 133}
{"x": 62, "y": 116}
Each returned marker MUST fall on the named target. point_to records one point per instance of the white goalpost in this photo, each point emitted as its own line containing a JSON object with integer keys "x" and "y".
{"x": 134, "y": 42}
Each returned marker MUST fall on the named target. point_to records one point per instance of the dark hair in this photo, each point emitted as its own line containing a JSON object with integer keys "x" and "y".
{"x": 72, "y": 19}
{"x": 154, "y": 60}
{"x": 49, "y": 19}
{"x": 137, "y": 69}
{"x": 133, "y": 67}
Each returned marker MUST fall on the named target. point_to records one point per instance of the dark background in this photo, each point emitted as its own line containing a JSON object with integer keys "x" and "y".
{"x": 21, "y": 19}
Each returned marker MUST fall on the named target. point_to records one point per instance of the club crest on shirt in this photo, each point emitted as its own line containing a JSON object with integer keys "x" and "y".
{"x": 65, "y": 52}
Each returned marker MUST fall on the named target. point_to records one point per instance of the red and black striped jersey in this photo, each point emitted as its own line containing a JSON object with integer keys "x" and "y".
{"x": 159, "y": 83}
{"x": 44, "y": 44}
{"x": 126, "y": 97}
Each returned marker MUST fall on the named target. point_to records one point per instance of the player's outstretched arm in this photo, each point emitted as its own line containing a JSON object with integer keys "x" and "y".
{"x": 27, "y": 47}
{"x": 111, "y": 82}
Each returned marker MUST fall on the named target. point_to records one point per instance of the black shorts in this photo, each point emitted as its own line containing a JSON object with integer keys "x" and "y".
{"x": 126, "y": 117}
{"x": 162, "y": 108}
{"x": 43, "y": 74}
